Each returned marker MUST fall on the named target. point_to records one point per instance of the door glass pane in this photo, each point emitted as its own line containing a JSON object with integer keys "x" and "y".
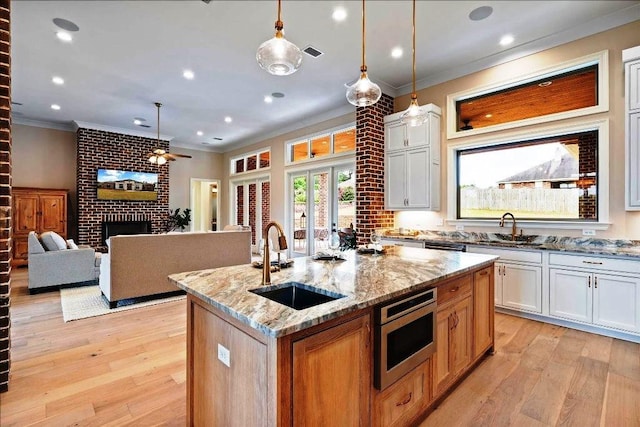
{"x": 321, "y": 212}
{"x": 265, "y": 204}
{"x": 344, "y": 141}
{"x": 252, "y": 162}
{"x": 240, "y": 204}
{"x": 239, "y": 165}
{"x": 252, "y": 212}
{"x": 300, "y": 214}
{"x": 321, "y": 146}
{"x": 346, "y": 198}
{"x": 265, "y": 159}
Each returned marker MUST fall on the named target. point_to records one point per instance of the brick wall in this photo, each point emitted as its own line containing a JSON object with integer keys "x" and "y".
{"x": 588, "y": 165}
{"x": 370, "y": 213}
{"x": 109, "y": 150}
{"x": 5, "y": 193}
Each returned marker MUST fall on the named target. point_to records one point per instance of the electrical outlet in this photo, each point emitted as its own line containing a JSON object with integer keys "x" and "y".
{"x": 224, "y": 355}
{"x": 459, "y": 227}
{"x": 588, "y": 232}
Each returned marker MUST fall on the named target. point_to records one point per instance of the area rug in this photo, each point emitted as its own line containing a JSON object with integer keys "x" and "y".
{"x": 87, "y": 301}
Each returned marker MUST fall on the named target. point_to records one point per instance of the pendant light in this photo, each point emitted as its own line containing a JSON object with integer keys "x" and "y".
{"x": 364, "y": 92}
{"x": 414, "y": 115}
{"x": 278, "y": 56}
{"x": 157, "y": 155}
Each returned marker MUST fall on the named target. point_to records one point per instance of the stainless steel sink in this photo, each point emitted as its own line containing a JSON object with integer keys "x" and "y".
{"x": 296, "y": 295}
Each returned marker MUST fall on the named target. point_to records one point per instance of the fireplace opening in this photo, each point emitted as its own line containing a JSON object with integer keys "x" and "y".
{"x": 113, "y": 228}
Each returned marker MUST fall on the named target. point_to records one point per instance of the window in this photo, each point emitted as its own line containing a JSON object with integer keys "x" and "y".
{"x": 338, "y": 142}
{"x": 571, "y": 89}
{"x": 553, "y": 177}
{"x": 250, "y": 162}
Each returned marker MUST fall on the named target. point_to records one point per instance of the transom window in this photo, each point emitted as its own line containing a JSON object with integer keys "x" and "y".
{"x": 338, "y": 142}
{"x": 250, "y": 162}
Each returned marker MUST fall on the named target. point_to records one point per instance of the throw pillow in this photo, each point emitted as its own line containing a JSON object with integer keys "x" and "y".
{"x": 71, "y": 244}
{"x": 52, "y": 241}
{"x": 35, "y": 247}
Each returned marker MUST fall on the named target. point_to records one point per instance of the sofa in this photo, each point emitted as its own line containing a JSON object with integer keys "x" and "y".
{"x": 138, "y": 265}
{"x": 55, "y": 262}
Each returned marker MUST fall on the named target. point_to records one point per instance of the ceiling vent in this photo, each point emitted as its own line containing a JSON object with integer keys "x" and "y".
{"x": 312, "y": 51}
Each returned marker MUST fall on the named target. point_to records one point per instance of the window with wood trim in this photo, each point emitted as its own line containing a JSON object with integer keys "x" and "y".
{"x": 320, "y": 146}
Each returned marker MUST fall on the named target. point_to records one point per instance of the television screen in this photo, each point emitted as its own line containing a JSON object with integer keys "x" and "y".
{"x": 125, "y": 185}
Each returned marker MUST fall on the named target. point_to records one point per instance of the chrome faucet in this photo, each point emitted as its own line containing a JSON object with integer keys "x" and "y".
{"x": 513, "y": 228}
{"x": 266, "y": 262}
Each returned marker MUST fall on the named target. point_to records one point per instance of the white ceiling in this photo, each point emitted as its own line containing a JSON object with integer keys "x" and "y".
{"x": 129, "y": 54}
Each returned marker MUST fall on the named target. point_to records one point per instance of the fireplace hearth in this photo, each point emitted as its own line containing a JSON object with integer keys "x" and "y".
{"x": 114, "y": 228}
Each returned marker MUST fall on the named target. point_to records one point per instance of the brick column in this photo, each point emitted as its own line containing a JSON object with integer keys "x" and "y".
{"x": 5, "y": 193}
{"x": 370, "y": 213}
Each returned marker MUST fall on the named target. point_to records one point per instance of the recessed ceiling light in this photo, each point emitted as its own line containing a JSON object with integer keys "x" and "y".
{"x": 65, "y": 24}
{"x": 57, "y": 80}
{"x": 200, "y": 133}
{"x": 339, "y": 14}
{"x": 480, "y": 13}
{"x": 488, "y": 116}
{"x": 396, "y": 52}
{"x": 188, "y": 74}
{"x": 228, "y": 119}
{"x": 55, "y": 107}
{"x": 268, "y": 99}
{"x": 506, "y": 40}
{"x": 277, "y": 95}
{"x": 64, "y": 36}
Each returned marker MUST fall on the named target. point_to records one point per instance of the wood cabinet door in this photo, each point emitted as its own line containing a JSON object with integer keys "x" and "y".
{"x": 418, "y": 135}
{"x": 395, "y": 172}
{"x": 461, "y": 336}
{"x": 570, "y": 295}
{"x": 395, "y": 136}
{"x": 442, "y": 359}
{"x": 25, "y": 213}
{"x": 53, "y": 213}
{"x": 332, "y": 369}
{"x": 417, "y": 185}
{"x": 497, "y": 274}
{"x": 632, "y": 180}
{"x": 483, "y": 301}
{"x": 616, "y": 302}
{"x": 522, "y": 287}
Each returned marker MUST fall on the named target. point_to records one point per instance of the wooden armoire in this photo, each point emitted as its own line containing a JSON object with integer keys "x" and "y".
{"x": 39, "y": 210}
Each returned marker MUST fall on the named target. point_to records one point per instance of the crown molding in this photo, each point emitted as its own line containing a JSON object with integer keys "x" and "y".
{"x": 94, "y": 126}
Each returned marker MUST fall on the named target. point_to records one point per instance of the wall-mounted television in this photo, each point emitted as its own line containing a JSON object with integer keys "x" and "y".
{"x": 116, "y": 184}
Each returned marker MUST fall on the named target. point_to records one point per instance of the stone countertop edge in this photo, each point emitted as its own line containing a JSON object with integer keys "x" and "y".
{"x": 364, "y": 280}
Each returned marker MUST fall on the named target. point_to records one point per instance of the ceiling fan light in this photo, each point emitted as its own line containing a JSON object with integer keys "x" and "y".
{"x": 278, "y": 56}
{"x": 414, "y": 115}
{"x": 161, "y": 160}
{"x": 364, "y": 92}
{"x": 153, "y": 159}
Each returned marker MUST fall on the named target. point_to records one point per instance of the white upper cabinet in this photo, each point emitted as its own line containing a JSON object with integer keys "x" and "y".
{"x": 631, "y": 60}
{"x": 412, "y": 162}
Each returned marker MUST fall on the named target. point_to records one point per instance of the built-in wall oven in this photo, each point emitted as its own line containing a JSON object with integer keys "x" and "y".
{"x": 405, "y": 336}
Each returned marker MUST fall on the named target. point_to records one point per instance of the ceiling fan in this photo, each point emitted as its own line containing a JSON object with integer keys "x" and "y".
{"x": 160, "y": 156}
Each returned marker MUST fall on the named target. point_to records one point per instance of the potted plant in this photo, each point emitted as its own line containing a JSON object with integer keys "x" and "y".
{"x": 179, "y": 220}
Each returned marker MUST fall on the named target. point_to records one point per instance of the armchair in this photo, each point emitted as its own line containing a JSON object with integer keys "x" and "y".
{"x": 60, "y": 267}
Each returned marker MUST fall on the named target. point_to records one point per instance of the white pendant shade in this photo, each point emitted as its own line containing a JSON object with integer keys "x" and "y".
{"x": 364, "y": 92}
{"x": 279, "y": 56}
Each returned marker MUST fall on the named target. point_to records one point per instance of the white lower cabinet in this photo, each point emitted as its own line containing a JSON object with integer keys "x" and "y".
{"x": 601, "y": 299}
{"x": 519, "y": 286}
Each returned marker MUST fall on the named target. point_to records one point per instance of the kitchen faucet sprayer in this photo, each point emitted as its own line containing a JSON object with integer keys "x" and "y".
{"x": 266, "y": 262}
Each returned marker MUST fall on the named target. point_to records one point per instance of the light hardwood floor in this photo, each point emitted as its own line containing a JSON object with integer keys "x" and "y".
{"x": 128, "y": 368}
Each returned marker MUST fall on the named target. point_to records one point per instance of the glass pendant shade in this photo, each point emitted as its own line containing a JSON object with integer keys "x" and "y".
{"x": 364, "y": 92}
{"x": 414, "y": 115}
{"x": 279, "y": 56}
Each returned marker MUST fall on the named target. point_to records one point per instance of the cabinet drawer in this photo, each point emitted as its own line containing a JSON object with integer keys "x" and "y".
{"x": 595, "y": 263}
{"x": 453, "y": 290}
{"x": 404, "y": 400}
{"x": 517, "y": 255}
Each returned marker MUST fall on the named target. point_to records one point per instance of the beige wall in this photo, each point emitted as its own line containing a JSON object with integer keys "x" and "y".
{"x": 202, "y": 164}
{"x": 624, "y": 224}
{"x": 277, "y": 171}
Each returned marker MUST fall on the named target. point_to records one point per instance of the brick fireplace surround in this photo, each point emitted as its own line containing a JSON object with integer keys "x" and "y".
{"x": 109, "y": 150}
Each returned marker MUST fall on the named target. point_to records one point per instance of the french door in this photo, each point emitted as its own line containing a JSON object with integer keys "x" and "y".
{"x": 318, "y": 200}
{"x": 252, "y": 206}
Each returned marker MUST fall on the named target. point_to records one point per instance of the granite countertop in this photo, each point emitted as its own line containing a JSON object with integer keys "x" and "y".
{"x": 591, "y": 246}
{"x": 365, "y": 281}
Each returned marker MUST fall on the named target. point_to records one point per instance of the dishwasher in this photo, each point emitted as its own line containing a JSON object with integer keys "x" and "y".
{"x": 445, "y": 246}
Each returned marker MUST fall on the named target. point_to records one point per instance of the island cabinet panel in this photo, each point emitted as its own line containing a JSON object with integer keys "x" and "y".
{"x": 402, "y": 403}
{"x": 454, "y": 340}
{"x": 483, "y": 311}
{"x": 332, "y": 378}
{"x": 221, "y": 395}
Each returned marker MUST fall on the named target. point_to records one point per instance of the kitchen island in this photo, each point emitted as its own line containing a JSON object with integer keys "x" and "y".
{"x": 253, "y": 361}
